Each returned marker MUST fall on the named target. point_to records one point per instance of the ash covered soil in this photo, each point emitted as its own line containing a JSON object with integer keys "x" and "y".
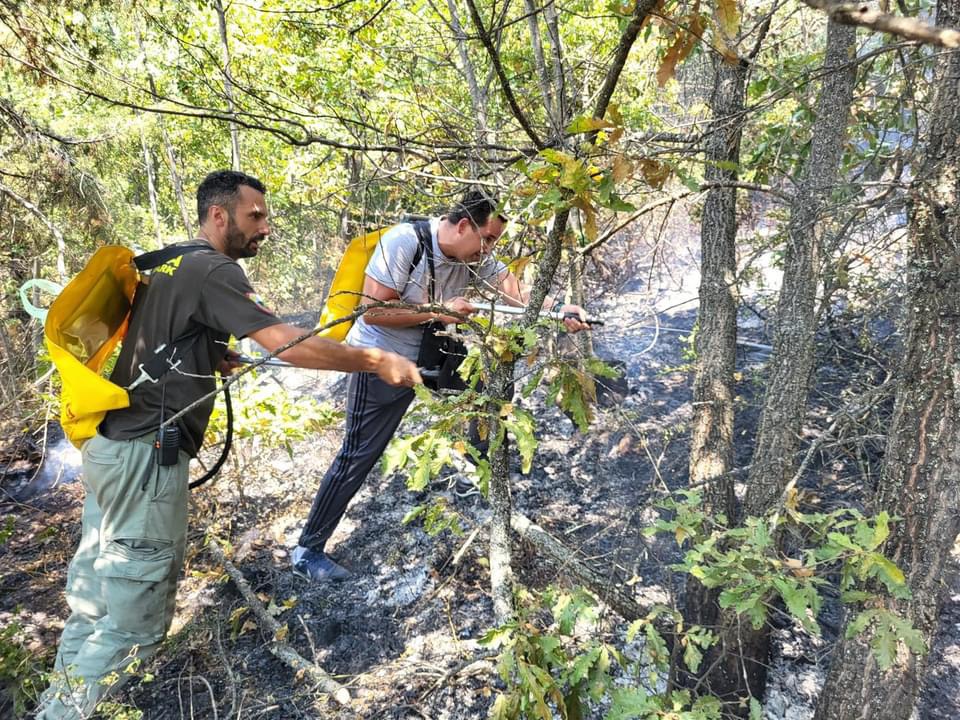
{"x": 403, "y": 634}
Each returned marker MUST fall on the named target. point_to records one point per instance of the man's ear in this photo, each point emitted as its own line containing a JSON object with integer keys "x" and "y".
{"x": 219, "y": 215}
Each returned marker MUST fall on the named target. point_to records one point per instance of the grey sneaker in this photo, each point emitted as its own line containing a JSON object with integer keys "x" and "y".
{"x": 317, "y": 566}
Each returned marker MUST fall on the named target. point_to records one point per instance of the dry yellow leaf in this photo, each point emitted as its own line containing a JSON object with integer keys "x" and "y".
{"x": 622, "y": 168}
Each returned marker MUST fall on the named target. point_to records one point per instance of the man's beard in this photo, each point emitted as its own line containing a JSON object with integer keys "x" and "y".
{"x": 238, "y": 245}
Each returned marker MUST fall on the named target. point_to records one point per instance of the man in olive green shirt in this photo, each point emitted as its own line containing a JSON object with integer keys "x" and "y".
{"x": 121, "y": 583}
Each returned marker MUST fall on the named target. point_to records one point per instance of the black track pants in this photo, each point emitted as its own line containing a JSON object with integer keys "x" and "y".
{"x": 374, "y": 410}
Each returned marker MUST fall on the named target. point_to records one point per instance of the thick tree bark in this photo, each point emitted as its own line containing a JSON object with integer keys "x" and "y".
{"x": 739, "y": 661}
{"x": 791, "y": 365}
{"x": 501, "y": 571}
{"x": 711, "y": 451}
{"x": 712, "y": 436}
{"x": 920, "y": 482}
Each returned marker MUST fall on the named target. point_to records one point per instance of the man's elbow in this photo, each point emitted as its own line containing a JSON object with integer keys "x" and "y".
{"x": 274, "y": 337}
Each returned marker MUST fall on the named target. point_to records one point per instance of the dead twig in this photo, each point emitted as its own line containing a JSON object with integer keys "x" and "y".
{"x": 278, "y": 646}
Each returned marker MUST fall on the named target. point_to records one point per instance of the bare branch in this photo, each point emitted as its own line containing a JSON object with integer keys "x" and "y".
{"x": 54, "y": 230}
{"x": 504, "y": 81}
{"x": 862, "y": 15}
{"x": 627, "y": 38}
{"x": 670, "y": 199}
{"x": 278, "y": 645}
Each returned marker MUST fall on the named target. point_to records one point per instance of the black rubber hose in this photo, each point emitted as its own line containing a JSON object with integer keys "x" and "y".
{"x": 228, "y": 441}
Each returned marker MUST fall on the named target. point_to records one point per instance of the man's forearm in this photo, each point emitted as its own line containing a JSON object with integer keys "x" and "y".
{"x": 321, "y": 354}
{"x": 397, "y": 317}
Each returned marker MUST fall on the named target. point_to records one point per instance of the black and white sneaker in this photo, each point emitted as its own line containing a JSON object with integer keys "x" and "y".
{"x": 317, "y": 566}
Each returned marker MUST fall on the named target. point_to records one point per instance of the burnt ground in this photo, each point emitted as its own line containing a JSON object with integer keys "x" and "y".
{"x": 403, "y": 634}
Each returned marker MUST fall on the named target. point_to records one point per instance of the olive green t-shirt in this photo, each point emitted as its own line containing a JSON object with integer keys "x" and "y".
{"x": 201, "y": 289}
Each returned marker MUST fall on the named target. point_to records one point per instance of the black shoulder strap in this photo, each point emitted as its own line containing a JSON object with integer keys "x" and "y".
{"x": 166, "y": 356}
{"x": 156, "y": 258}
{"x": 425, "y": 243}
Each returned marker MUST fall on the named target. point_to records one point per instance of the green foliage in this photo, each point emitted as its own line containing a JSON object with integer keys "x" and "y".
{"x": 546, "y": 668}
{"x": 689, "y": 351}
{"x": 553, "y": 666}
{"x": 21, "y": 671}
{"x": 747, "y": 565}
{"x": 276, "y": 419}
{"x": 423, "y": 455}
{"x": 633, "y": 703}
{"x": 575, "y": 389}
{"x": 887, "y": 632}
{"x": 6, "y": 532}
{"x": 436, "y": 517}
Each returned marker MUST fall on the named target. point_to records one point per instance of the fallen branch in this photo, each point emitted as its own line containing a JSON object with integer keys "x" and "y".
{"x": 594, "y": 579}
{"x": 277, "y": 646}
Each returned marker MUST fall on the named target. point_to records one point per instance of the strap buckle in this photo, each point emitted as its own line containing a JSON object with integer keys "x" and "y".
{"x": 153, "y": 368}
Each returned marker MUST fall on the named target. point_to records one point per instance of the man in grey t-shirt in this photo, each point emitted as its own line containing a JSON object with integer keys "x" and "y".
{"x": 462, "y": 242}
{"x": 391, "y": 266}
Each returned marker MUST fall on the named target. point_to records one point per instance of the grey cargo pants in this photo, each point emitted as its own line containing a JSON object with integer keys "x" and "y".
{"x": 122, "y": 582}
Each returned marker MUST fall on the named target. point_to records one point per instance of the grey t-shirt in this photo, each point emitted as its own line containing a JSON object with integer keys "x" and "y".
{"x": 389, "y": 265}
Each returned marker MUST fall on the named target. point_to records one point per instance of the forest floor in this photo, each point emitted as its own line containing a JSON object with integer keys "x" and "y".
{"x": 403, "y": 634}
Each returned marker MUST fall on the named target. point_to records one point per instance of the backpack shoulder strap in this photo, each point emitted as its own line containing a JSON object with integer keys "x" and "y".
{"x": 167, "y": 356}
{"x": 156, "y": 258}
{"x": 425, "y": 244}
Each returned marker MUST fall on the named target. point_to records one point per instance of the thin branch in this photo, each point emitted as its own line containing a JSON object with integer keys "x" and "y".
{"x": 670, "y": 199}
{"x": 627, "y": 38}
{"x": 361, "y": 26}
{"x": 54, "y": 230}
{"x": 862, "y": 15}
{"x": 278, "y": 645}
{"x": 504, "y": 81}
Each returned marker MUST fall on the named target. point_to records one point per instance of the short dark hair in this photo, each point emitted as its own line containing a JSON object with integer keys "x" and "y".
{"x": 476, "y": 206}
{"x": 220, "y": 188}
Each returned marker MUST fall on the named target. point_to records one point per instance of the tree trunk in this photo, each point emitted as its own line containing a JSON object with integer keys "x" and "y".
{"x": 711, "y": 451}
{"x": 561, "y": 84}
{"x": 920, "y": 482}
{"x": 501, "y": 571}
{"x": 151, "y": 185}
{"x": 540, "y": 65}
{"x": 791, "y": 365}
{"x": 228, "y": 85}
{"x": 501, "y": 384}
{"x": 169, "y": 154}
{"x": 712, "y": 436}
{"x": 739, "y": 661}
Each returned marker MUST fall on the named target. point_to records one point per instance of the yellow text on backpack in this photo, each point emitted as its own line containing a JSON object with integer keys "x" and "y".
{"x": 344, "y": 295}
{"x": 84, "y": 325}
